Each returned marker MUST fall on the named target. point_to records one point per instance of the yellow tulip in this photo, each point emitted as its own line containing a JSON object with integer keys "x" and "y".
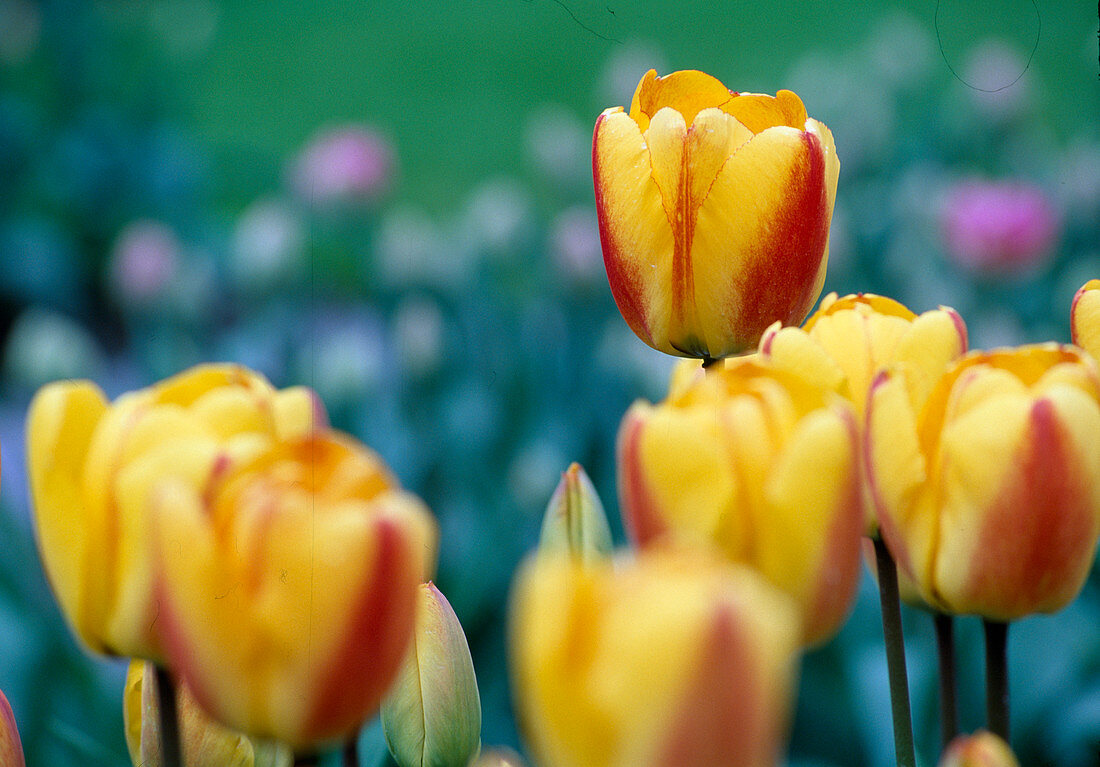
{"x": 92, "y": 465}
{"x": 670, "y": 659}
{"x": 714, "y": 211}
{"x": 989, "y": 495}
{"x": 848, "y": 340}
{"x": 760, "y": 464}
{"x": 1085, "y": 318}
{"x": 11, "y": 749}
{"x": 982, "y": 749}
{"x": 431, "y": 716}
{"x": 288, "y": 586}
{"x": 204, "y": 742}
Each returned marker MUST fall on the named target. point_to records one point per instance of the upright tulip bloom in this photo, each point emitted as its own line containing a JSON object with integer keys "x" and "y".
{"x": 982, "y": 749}
{"x": 1085, "y": 318}
{"x": 575, "y": 521}
{"x": 287, "y": 586}
{"x": 671, "y": 659}
{"x": 714, "y": 211}
{"x": 93, "y": 464}
{"x": 988, "y": 496}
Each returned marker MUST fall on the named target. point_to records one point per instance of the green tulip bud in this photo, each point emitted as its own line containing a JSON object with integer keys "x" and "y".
{"x": 575, "y": 521}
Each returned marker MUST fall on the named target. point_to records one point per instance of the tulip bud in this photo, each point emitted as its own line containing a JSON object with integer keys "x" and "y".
{"x": 759, "y": 464}
{"x": 498, "y": 757}
{"x": 432, "y": 715}
{"x": 669, "y": 658}
{"x": 982, "y": 749}
{"x": 714, "y": 211}
{"x": 575, "y": 521}
{"x": 204, "y": 742}
{"x": 1085, "y": 318}
{"x": 11, "y": 749}
{"x": 988, "y": 496}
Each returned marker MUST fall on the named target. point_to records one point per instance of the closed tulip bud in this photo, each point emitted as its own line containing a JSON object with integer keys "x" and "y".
{"x": 714, "y": 211}
{"x": 982, "y": 749}
{"x": 287, "y": 586}
{"x": 11, "y": 749}
{"x": 432, "y": 715}
{"x": 848, "y": 340}
{"x": 988, "y": 495}
{"x": 575, "y": 521}
{"x": 761, "y": 465}
{"x": 93, "y": 464}
{"x": 673, "y": 658}
{"x": 203, "y": 742}
{"x": 1085, "y": 318}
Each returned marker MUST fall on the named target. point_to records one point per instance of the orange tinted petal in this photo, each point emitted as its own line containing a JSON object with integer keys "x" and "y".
{"x": 760, "y": 111}
{"x": 687, "y": 91}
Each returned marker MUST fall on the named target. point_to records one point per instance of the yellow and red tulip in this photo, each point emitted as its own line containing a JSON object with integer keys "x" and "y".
{"x": 1085, "y": 318}
{"x": 203, "y": 742}
{"x": 759, "y": 464}
{"x": 92, "y": 465}
{"x": 670, "y": 659}
{"x": 982, "y": 749}
{"x": 11, "y": 748}
{"x": 988, "y": 496}
{"x": 848, "y": 340}
{"x": 714, "y": 210}
{"x": 287, "y": 586}
{"x": 432, "y": 713}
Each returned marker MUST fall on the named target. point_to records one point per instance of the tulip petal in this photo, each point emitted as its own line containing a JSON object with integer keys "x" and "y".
{"x": 1085, "y": 317}
{"x": 60, "y": 425}
{"x": 775, "y": 184}
{"x": 687, "y": 91}
{"x": 634, "y": 230}
{"x": 759, "y": 111}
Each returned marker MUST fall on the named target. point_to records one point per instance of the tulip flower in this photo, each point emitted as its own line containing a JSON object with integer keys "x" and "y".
{"x": 11, "y": 749}
{"x": 760, "y": 464}
{"x": 982, "y": 749}
{"x": 670, "y": 658}
{"x": 575, "y": 521}
{"x": 498, "y": 757}
{"x": 205, "y": 743}
{"x": 988, "y": 495}
{"x": 1085, "y": 318}
{"x": 714, "y": 211}
{"x": 432, "y": 715}
{"x": 93, "y": 465}
{"x": 287, "y": 586}
{"x": 848, "y": 340}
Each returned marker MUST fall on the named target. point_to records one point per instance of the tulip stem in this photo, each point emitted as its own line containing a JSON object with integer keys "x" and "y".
{"x": 170, "y": 755}
{"x": 996, "y": 677}
{"x": 351, "y": 753}
{"x": 708, "y": 361}
{"x": 895, "y": 655}
{"x": 945, "y": 645}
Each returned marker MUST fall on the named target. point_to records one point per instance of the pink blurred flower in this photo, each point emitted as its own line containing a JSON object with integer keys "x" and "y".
{"x": 145, "y": 258}
{"x": 999, "y": 228}
{"x": 345, "y": 162}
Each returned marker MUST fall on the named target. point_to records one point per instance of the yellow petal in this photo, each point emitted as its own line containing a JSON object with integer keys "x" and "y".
{"x": 760, "y": 111}
{"x": 687, "y": 91}
{"x": 1085, "y": 317}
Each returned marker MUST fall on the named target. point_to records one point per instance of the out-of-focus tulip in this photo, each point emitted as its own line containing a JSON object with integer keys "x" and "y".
{"x": 575, "y": 522}
{"x": 999, "y": 229}
{"x": 287, "y": 586}
{"x": 760, "y": 464}
{"x": 204, "y": 742}
{"x": 351, "y": 162}
{"x": 93, "y": 464}
{"x": 982, "y": 749}
{"x": 848, "y": 340}
{"x": 498, "y": 757}
{"x": 432, "y": 714}
{"x": 989, "y": 495}
{"x": 1085, "y": 318}
{"x": 714, "y": 211}
{"x": 672, "y": 658}
{"x": 11, "y": 749}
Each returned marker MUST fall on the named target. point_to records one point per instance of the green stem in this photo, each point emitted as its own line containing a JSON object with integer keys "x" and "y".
{"x": 945, "y": 644}
{"x": 895, "y": 656}
{"x": 996, "y": 677}
{"x": 351, "y": 752}
{"x": 170, "y": 754}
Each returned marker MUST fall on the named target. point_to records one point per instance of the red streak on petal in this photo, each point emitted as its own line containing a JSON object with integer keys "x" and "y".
{"x": 1036, "y": 542}
{"x": 960, "y": 328}
{"x": 627, "y": 285}
{"x": 722, "y": 720}
{"x": 352, "y": 684}
{"x": 641, "y": 519}
{"x": 782, "y": 273}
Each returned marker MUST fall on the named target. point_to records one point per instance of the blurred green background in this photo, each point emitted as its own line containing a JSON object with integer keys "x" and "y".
{"x": 391, "y": 202}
